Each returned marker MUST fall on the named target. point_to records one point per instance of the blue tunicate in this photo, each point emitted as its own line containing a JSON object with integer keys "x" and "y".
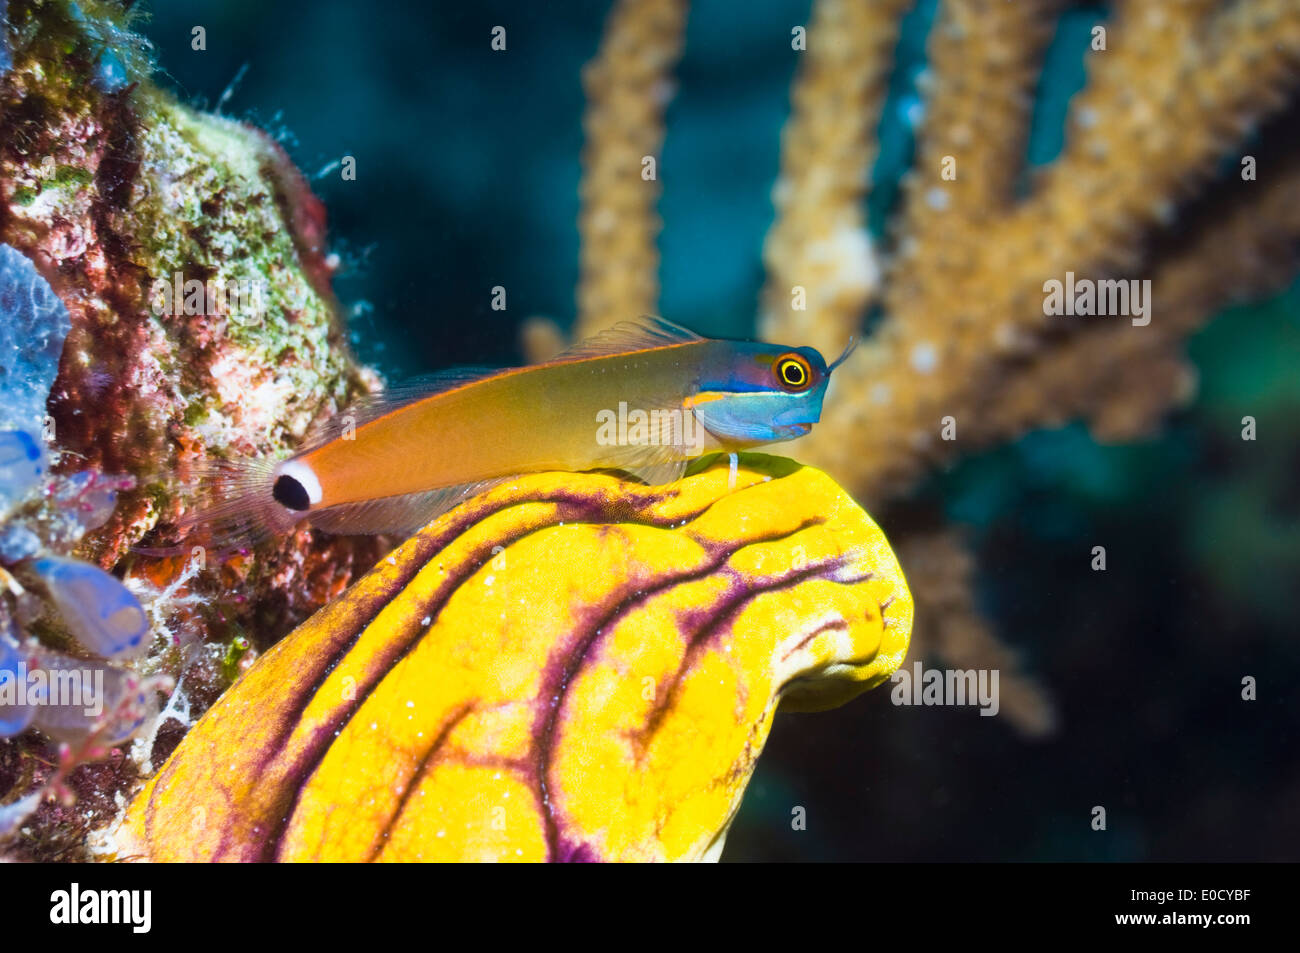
{"x": 93, "y": 495}
{"x": 101, "y": 612}
{"x": 111, "y": 75}
{"x": 22, "y": 465}
{"x": 17, "y": 543}
{"x": 33, "y": 326}
{"x": 16, "y": 710}
{"x": 83, "y": 696}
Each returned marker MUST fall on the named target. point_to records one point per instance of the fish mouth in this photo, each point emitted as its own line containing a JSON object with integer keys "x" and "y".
{"x": 797, "y": 417}
{"x": 790, "y": 431}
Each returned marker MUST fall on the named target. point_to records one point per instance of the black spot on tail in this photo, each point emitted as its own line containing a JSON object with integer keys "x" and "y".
{"x": 289, "y": 492}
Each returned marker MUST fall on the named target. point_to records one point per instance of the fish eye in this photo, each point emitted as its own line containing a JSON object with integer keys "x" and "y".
{"x": 792, "y": 372}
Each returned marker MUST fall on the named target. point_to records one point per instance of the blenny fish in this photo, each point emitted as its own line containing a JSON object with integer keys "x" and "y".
{"x": 643, "y": 398}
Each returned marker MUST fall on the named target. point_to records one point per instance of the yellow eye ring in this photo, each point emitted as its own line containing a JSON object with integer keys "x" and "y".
{"x": 793, "y": 372}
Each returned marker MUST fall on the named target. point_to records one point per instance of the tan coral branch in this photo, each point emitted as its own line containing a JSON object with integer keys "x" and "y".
{"x": 628, "y": 86}
{"x": 1123, "y": 377}
{"x": 945, "y": 351}
{"x": 984, "y": 61}
{"x": 1177, "y": 85}
{"x": 819, "y": 241}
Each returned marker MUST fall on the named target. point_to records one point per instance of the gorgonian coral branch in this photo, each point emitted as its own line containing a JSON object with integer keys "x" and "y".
{"x": 1155, "y": 117}
{"x": 628, "y": 86}
{"x": 821, "y": 266}
{"x": 984, "y": 60}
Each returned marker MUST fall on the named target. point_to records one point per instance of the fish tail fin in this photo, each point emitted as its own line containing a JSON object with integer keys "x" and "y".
{"x": 230, "y": 504}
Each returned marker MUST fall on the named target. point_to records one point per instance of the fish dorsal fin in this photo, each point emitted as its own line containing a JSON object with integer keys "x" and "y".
{"x": 647, "y": 332}
{"x": 367, "y": 408}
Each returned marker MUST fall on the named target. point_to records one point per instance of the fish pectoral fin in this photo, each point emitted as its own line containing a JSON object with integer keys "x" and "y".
{"x": 647, "y": 332}
{"x": 654, "y": 465}
{"x": 400, "y": 515}
{"x": 659, "y": 474}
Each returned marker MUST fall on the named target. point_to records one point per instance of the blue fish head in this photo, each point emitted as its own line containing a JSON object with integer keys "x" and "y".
{"x": 762, "y": 393}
